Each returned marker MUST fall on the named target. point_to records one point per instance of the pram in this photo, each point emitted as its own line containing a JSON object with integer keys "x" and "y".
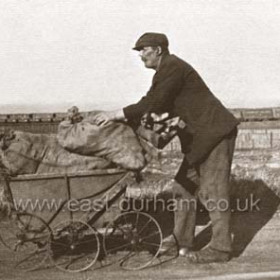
{"x": 67, "y": 235}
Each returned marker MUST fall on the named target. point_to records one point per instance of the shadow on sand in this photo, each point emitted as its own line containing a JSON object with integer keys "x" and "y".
{"x": 253, "y": 204}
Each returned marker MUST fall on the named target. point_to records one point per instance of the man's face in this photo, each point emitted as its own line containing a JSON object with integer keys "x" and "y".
{"x": 150, "y": 57}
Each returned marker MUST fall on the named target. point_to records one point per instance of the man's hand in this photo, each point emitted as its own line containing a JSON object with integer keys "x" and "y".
{"x": 160, "y": 118}
{"x": 73, "y": 115}
{"x": 105, "y": 117}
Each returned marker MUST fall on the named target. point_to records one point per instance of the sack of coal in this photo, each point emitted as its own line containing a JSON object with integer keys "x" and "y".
{"x": 115, "y": 141}
{"x": 29, "y": 153}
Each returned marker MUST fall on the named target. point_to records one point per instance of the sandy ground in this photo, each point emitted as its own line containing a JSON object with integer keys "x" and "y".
{"x": 259, "y": 259}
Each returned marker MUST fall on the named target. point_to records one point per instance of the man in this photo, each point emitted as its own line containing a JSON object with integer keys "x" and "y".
{"x": 207, "y": 142}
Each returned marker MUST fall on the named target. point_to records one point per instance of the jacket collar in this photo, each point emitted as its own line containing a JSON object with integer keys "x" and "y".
{"x": 162, "y": 60}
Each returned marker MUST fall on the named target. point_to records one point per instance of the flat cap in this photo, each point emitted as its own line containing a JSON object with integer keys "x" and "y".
{"x": 151, "y": 39}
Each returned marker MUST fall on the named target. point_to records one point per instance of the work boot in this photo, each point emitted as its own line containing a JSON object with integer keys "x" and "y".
{"x": 208, "y": 255}
{"x": 184, "y": 251}
{"x": 169, "y": 246}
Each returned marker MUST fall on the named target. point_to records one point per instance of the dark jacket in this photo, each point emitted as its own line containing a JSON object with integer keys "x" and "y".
{"x": 178, "y": 89}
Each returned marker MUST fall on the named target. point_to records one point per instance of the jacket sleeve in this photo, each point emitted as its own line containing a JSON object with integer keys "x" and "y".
{"x": 167, "y": 82}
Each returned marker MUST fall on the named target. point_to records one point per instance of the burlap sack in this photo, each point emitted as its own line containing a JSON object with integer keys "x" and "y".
{"x": 28, "y": 153}
{"x": 115, "y": 141}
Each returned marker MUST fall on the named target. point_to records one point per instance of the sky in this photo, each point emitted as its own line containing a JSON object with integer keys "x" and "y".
{"x": 55, "y": 54}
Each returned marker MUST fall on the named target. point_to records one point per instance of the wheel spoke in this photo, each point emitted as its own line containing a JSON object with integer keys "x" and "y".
{"x": 150, "y": 235}
{"x": 145, "y": 226}
{"x": 85, "y": 242}
{"x": 115, "y": 238}
{"x": 70, "y": 261}
{"x": 21, "y": 223}
{"x": 26, "y": 224}
{"x": 30, "y": 256}
{"x": 119, "y": 247}
{"x": 34, "y": 239}
{"x": 59, "y": 243}
{"x": 73, "y": 260}
{"x": 137, "y": 220}
{"x": 128, "y": 256}
{"x": 151, "y": 244}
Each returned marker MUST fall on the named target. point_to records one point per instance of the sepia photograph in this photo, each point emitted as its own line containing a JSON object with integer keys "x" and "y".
{"x": 139, "y": 139}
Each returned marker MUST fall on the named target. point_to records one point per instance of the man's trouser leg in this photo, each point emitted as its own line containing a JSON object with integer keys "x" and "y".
{"x": 185, "y": 214}
{"x": 214, "y": 174}
{"x": 213, "y": 183}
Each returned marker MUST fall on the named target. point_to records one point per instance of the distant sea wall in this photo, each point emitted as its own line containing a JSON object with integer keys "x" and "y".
{"x": 243, "y": 114}
{"x": 255, "y": 137}
{"x": 258, "y": 138}
{"x": 259, "y": 128}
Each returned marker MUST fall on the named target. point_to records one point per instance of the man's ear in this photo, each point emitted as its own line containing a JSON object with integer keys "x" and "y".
{"x": 159, "y": 50}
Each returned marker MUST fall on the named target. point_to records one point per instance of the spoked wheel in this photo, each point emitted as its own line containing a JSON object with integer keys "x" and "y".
{"x": 74, "y": 246}
{"x": 26, "y": 235}
{"x": 134, "y": 239}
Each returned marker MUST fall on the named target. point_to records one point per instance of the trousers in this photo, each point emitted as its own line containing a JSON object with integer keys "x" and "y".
{"x": 207, "y": 181}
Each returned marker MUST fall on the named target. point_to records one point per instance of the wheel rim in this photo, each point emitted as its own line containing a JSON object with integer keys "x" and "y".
{"x": 74, "y": 246}
{"x": 134, "y": 239}
{"x": 26, "y": 235}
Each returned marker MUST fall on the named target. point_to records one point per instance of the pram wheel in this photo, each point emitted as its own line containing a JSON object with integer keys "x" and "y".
{"x": 134, "y": 239}
{"x": 26, "y": 235}
{"x": 74, "y": 246}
